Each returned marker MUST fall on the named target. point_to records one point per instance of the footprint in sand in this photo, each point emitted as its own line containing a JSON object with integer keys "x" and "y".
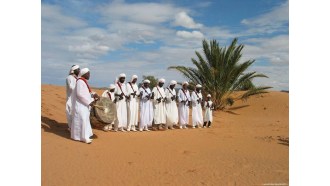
{"x": 130, "y": 163}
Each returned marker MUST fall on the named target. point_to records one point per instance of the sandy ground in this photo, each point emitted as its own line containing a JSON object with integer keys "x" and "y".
{"x": 245, "y": 146}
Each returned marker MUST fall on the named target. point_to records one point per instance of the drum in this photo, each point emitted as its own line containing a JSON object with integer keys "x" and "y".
{"x": 103, "y": 113}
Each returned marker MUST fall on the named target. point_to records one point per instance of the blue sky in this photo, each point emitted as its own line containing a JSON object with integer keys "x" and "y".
{"x": 145, "y": 37}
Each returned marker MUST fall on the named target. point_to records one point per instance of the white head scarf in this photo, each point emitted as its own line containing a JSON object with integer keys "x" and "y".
{"x": 83, "y": 71}
{"x": 209, "y": 95}
{"x": 146, "y": 81}
{"x": 112, "y": 86}
{"x": 134, "y": 77}
{"x": 74, "y": 67}
{"x": 185, "y": 83}
{"x": 122, "y": 75}
{"x": 198, "y": 86}
{"x": 161, "y": 80}
{"x": 173, "y": 82}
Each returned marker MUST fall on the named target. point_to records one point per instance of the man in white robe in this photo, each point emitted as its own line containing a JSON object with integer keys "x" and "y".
{"x": 172, "y": 115}
{"x": 196, "y": 102}
{"x": 132, "y": 103}
{"x": 208, "y": 105}
{"x": 111, "y": 95}
{"x": 70, "y": 85}
{"x": 82, "y": 101}
{"x": 159, "y": 104}
{"x": 184, "y": 102}
{"x": 146, "y": 107}
{"x": 121, "y": 104}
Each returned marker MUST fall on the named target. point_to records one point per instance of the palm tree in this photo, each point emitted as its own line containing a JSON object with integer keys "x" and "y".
{"x": 221, "y": 74}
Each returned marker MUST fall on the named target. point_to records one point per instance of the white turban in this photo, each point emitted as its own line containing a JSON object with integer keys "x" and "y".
{"x": 185, "y": 83}
{"x": 74, "y": 67}
{"x": 122, "y": 75}
{"x": 146, "y": 81}
{"x": 134, "y": 77}
{"x": 161, "y": 80}
{"x": 198, "y": 86}
{"x": 112, "y": 86}
{"x": 173, "y": 82}
{"x": 209, "y": 95}
{"x": 83, "y": 71}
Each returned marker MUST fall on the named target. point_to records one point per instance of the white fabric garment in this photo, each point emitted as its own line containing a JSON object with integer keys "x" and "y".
{"x": 172, "y": 115}
{"x": 183, "y": 107}
{"x": 208, "y": 111}
{"x": 121, "y": 106}
{"x": 105, "y": 94}
{"x": 196, "y": 111}
{"x": 159, "y": 108}
{"x": 81, "y": 98}
{"x": 132, "y": 105}
{"x": 146, "y": 109}
{"x": 70, "y": 85}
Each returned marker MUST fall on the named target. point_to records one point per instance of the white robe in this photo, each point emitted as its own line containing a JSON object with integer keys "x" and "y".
{"x": 183, "y": 108}
{"x": 208, "y": 112}
{"x": 159, "y": 108}
{"x": 81, "y": 98}
{"x": 132, "y": 105}
{"x": 106, "y": 95}
{"x": 121, "y": 106}
{"x": 146, "y": 109}
{"x": 70, "y": 85}
{"x": 172, "y": 115}
{"x": 197, "y": 112}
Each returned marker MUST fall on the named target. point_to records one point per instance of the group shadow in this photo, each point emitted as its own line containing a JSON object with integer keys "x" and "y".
{"x": 52, "y": 126}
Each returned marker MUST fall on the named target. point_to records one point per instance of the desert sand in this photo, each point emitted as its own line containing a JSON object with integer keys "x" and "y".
{"x": 247, "y": 145}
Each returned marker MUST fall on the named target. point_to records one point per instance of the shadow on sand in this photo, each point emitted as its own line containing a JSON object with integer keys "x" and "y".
{"x": 50, "y": 125}
{"x": 230, "y": 110}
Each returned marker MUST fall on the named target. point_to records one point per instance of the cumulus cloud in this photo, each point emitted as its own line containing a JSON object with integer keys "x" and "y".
{"x": 182, "y": 19}
{"x": 270, "y": 22}
{"x": 190, "y": 35}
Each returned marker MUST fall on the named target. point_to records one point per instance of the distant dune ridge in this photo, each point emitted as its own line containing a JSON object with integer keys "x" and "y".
{"x": 248, "y": 144}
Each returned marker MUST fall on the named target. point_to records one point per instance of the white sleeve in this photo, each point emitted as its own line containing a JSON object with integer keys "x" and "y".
{"x": 83, "y": 93}
{"x": 193, "y": 97}
{"x": 180, "y": 94}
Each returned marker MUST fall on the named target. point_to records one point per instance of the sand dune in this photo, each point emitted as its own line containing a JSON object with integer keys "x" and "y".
{"x": 247, "y": 145}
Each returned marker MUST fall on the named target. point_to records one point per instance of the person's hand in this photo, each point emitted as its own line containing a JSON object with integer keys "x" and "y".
{"x": 165, "y": 99}
{"x": 96, "y": 96}
{"x": 122, "y": 94}
{"x": 121, "y": 97}
{"x": 198, "y": 101}
{"x": 92, "y": 103}
{"x": 159, "y": 100}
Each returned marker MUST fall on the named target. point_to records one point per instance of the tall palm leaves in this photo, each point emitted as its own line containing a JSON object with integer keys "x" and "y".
{"x": 221, "y": 74}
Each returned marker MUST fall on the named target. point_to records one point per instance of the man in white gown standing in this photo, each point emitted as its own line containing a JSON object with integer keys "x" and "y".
{"x": 82, "y": 101}
{"x": 172, "y": 115}
{"x": 146, "y": 107}
{"x": 121, "y": 103}
{"x": 184, "y": 102}
{"x": 208, "y": 105}
{"x": 132, "y": 104}
{"x": 159, "y": 104}
{"x": 196, "y": 103}
{"x": 70, "y": 85}
{"x": 111, "y": 95}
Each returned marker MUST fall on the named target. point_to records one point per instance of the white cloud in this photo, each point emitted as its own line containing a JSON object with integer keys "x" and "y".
{"x": 149, "y": 13}
{"x": 275, "y": 49}
{"x": 182, "y": 19}
{"x": 190, "y": 35}
{"x": 270, "y": 22}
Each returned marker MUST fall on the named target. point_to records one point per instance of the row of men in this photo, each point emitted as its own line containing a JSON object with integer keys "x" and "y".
{"x": 157, "y": 107}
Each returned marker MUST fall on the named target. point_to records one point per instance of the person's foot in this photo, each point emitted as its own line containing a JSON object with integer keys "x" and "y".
{"x": 180, "y": 127}
{"x": 94, "y": 136}
{"x": 185, "y": 127}
{"x": 193, "y": 127}
{"x": 204, "y": 127}
{"x": 88, "y": 141}
{"x": 171, "y": 128}
{"x": 209, "y": 126}
{"x": 128, "y": 130}
{"x": 133, "y": 130}
{"x": 140, "y": 130}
